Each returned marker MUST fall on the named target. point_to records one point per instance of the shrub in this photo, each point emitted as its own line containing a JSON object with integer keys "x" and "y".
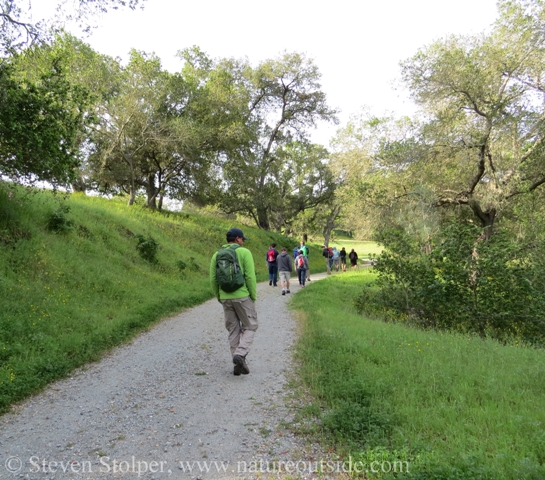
{"x": 181, "y": 265}
{"x": 493, "y": 288}
{"x": 147, "y": 248}
{"x": 58, "y": 222}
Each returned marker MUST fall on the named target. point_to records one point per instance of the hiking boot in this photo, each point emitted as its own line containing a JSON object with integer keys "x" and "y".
{"x": 287, "y": 291}
{"x": 283, "y": 292}
{"x": 270, "y": 283}
{"x": 240, "y": 362}
{"x": 236, "y": 370}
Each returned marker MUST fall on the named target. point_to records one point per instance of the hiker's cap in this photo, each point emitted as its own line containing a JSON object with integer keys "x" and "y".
{"x": 236, "y": 232}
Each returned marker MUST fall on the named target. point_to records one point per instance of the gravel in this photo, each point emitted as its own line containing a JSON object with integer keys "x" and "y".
{"x": 167, "y": 405}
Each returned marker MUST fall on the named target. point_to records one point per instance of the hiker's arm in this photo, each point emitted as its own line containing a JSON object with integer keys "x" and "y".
{"x": 213, "y": 281}
{"x": 249, "y": 275}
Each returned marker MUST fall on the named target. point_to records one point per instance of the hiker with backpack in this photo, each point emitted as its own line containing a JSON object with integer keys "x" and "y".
{"x": 327, "y": 253}
{"x": 336, "y": 258}
{"x": 343, "y": 259}
{"x": 284, "y": 270}
{"x": 233, "y": 281}
{"x": 305, "y": 251}
{"x": 301, "y": 263}
{"x": 272, "y": 254}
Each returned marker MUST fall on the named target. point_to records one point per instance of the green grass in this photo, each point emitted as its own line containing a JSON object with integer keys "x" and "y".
{"x": 453, "y": 407}
{"x": 69, "y": 295}
{"x": 363, "y": 248}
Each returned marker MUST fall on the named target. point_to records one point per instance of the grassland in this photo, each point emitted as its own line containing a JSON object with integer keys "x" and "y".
{"x": 430, "y": 405}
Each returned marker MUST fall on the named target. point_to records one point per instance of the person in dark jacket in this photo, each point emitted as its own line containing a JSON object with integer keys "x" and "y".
{"x": 285, "y": 267}
{"x": 325, "y": 254}
{"x": 343, "y": 259}
{"x": 353, "y": 256}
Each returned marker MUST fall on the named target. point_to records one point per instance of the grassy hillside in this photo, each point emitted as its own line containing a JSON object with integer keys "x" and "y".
{"x": 420, "y": 404}
{"x": 78, "y": 275}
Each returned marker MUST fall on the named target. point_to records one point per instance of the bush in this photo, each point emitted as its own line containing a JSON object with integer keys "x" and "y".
{"x": 494, "y": 288}
{"x": 147, "y": 248}
{"x": 58, "y": 222}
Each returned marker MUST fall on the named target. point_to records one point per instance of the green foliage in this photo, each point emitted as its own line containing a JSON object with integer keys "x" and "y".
{"x": 58, "y": 222}
{"x": 493, "y": 288}
{"x": 39, "y": 125}
{"x": 11, "y": 217}
{"x": 277, "y": 173}
{"x": 427, "y": 404}
{"x": 147, "y": 248}
{"x": 181, "y": 265}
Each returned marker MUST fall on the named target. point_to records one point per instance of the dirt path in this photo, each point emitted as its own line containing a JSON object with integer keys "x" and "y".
{"x": 166, "y": 406}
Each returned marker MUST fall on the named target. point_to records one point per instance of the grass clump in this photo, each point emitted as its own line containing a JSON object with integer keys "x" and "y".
{"x": 434, "y": 405}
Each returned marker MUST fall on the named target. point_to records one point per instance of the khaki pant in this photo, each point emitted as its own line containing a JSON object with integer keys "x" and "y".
{"x": 241, "y": 323}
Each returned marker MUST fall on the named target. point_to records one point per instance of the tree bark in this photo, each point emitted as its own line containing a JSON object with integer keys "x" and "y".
{"x": 486, "y": 217}
{"x": 132, "y": 196}
{"x": 151, "y": 192}
{"x": 262, "y": 218}
{"x": 160, "y": 205}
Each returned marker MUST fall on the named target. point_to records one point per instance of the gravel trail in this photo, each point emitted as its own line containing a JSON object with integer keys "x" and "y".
{"x": 167, "y": 405}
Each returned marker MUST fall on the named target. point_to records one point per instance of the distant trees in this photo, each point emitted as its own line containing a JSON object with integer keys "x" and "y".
{"x": 452, "y": 189}
{"x": 479, "y": 142}
{"x": 277, "y": 172}
{"x": 161, "y": 131}
{"x": 215, "y": 132}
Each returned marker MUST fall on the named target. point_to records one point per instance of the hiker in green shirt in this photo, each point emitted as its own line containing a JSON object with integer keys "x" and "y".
{"x": 238, "y": 301}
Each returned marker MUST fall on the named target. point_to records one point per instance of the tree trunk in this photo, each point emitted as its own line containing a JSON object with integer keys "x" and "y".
{"x": 486, "y": 217}
{"x": 79, "y": 185}
{"x": 262, "y": 218}
{"x": 132, "y": 196}
{"x": 151, "y": 192}
{"x": 132, "y": 185}
{"x": 330, "y": 223}
{"x": 326, "y": 238}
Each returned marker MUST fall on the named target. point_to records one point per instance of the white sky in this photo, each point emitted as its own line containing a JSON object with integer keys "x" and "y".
{"x": 357, "y": 45}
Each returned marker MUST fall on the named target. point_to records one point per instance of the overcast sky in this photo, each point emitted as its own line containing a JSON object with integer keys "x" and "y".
{"x": 357, "y": 45}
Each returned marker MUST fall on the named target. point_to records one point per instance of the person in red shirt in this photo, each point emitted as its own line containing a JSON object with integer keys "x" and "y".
{"x": 272, "y": 253}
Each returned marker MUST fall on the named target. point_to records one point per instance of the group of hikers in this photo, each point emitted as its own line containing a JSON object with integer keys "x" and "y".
{"x": 280, "y": 265}
{"x": 337, "y": 258}
{"x": 233, "y": 281}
